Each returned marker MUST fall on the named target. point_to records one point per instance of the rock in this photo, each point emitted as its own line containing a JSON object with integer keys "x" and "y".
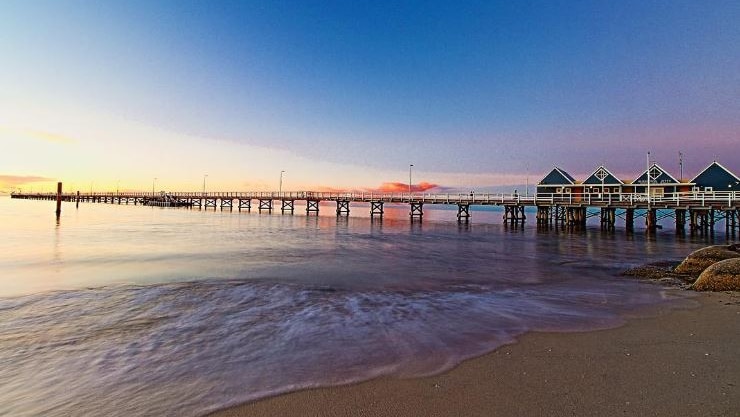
{"x": 662, "y": 273}
{"x": 721, "y": 276}
{"x": 654, "y": 270}
{"x": 699, "y": 260}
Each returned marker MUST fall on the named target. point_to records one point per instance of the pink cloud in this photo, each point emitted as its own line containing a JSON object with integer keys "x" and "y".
{"x": 399, "y": 187}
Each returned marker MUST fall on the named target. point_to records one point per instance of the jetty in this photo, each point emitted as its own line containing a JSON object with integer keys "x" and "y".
{"x": 699, "y": 210}
{"x": 710, "y": 197}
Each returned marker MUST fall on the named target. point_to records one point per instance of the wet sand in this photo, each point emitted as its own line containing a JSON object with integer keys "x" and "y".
{"x": 675, "y": 363}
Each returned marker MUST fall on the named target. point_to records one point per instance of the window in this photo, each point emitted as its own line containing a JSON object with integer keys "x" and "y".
{"x": 657, "y": 191}
{"x": 601, "y": 174}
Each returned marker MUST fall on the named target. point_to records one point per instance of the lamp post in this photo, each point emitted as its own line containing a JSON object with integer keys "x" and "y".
{"x": 118, "y": 187}
{"x": 280, "y": 187}
{"x": 154, "y": 181}
{"x": 204, "y": 183}
{"x": 648, "y": 182}
{"x": 410, "y": 166}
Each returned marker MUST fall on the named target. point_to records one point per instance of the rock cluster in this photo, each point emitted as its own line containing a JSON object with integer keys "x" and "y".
{"x": 717, "y": 268}
{"x": 699, "y": 260}
{"x": 721, "y": 276}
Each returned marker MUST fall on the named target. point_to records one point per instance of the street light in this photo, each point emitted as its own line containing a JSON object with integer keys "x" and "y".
{"x": 154, "y": 181}
{"x": 410, "y": 166}
{"x": 280, "y": 187}
{"x": 204, "y": 183}
{"x": 648, "y": 182}
{"x": 118, "y": 183}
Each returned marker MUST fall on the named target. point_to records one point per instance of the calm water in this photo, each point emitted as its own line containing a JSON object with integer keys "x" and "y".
{"x": 122, "y": 310}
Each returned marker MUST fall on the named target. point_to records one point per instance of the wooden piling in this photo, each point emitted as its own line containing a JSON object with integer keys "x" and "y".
{"x": 312, "y": 206}
{"x": 287, "y": 205}
{"x": 680, "y": 219}
{"x": 342, "y": 208}
{"x": 376, "y": 209}
{"x": 463, "y": 212}
{"x": 728, "y": 219}
{"x": 651, "y": 219}
{"x": 59, "y": 199}
{"x": 265, "y": 204}
{"x": 417, "y": 210}
{"x": 543, "y": 215}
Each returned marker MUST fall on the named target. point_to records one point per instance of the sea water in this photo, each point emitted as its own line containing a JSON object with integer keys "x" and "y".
{"x": 127, "y": 310}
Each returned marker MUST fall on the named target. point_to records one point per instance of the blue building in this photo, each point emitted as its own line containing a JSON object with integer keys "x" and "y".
{"x": 602, "y": 181}
{"x": 661, "y": 182}
{"x": 715, "y": 177}
{"x": 558, "y": 181}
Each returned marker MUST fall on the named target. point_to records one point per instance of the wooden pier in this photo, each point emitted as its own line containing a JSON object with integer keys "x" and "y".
{"x": 700, "y": 211}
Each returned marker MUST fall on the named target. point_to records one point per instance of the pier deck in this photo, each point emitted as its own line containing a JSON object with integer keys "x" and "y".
{"x": 701, "y": 209}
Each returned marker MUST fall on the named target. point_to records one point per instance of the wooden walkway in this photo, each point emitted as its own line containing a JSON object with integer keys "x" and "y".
{"x": 701, "y": 210}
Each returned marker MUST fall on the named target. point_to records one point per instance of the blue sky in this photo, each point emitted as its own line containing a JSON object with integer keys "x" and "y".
{"x": 347, "y": 94}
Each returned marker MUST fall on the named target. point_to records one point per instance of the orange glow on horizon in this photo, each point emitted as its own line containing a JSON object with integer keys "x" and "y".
{"x": 398, "y": 187}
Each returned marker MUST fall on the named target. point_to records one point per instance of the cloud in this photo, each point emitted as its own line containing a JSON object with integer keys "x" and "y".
{"x": 386, "y": 187}
{"x": 39, "y": 135}
{"x": 399, "y": 187}
{"x": 18, "y": 180}
{"x": 325, "y": 189}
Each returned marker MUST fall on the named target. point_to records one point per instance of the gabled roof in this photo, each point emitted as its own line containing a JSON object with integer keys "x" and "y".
{"x": 557, "y": 177}
{"x": 602, "y": 176}
{"x": 717, "y": 177}
{"x": 657, "y": 176}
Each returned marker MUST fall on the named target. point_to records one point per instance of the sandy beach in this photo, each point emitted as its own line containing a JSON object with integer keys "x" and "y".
{"x": 672, "y": 363}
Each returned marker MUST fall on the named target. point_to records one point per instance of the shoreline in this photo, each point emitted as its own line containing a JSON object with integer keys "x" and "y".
{"x": 673, "y": 362}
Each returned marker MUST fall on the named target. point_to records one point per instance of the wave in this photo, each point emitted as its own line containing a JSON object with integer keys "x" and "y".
{"x": 194, "y": 347}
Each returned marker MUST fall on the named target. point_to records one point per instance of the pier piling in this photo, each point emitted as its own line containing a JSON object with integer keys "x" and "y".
{"x": 59, "y": 199}
{"x": 680, "y": 219}
{"x": 265, "y": 204}
{"x": 463, "y": 212}
{"x": 342, "y": 208}
{"x": 312, "y": 206}
{"x": 417, "y": 210}
{"x": 376, "y": 209}
{"x": 287, "y": 205}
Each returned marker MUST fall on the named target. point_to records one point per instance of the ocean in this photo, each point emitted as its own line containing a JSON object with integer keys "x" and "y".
{"x": 130, "y": 310}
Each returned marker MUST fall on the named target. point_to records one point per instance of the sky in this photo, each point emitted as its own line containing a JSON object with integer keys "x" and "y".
{"x": 346, "y": 95}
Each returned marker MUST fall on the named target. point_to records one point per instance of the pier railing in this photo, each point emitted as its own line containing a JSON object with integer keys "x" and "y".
{"x": 702, "y": 209}
{"x": 698, "y": 198}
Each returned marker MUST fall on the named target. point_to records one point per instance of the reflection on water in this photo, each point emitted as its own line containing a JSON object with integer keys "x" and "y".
{"x": 138, "y": 310}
